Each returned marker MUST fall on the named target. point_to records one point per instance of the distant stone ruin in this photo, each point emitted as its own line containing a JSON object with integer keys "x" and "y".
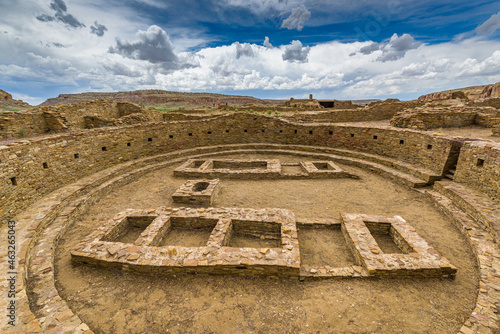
{"x": 319, "y": 104}
{"x": 432, "y": 117}
{"x": 61, "y": 118}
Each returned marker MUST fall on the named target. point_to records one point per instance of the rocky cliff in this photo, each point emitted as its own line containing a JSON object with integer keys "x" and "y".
{"x": 472, "y": 93}
{"x": 6, "y": 100}
{"x": 490, "y": 91}
{"x": 158, "y": 97}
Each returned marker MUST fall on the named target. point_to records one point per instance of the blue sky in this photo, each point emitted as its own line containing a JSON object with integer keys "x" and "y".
{"x": 342, "y": 49}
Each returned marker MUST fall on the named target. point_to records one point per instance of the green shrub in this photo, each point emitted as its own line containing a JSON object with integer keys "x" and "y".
{"x": 21, "y": 133}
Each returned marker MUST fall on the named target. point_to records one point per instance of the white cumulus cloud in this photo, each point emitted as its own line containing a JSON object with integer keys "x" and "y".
{"x": 295, "y": 52}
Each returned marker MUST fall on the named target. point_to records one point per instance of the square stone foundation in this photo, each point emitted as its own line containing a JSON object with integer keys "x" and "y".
{"x": 197, "y": 192}
{"x": 324, "y": 169}
{"x": 229, "y": 168}
{"x": 416, "y": 256}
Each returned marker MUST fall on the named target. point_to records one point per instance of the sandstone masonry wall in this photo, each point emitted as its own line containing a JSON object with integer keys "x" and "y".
{"x": 479, "y": 167}
{"x": 424, "y": 119}
{"x": 31, "y": 169}
{"x": 42, "y": 120}
{"x": 432, "y": 120}
{"x": 344, "y": 115}
{"x": 22, "y": 124}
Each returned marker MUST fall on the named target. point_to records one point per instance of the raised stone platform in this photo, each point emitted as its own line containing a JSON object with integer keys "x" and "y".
{"x": 147, "y": 253}
{"x": 138, "y": 241}
{"x": 260, "y": 169}
{"x": 417, "y": 257}
{"x": 198, "y": 192}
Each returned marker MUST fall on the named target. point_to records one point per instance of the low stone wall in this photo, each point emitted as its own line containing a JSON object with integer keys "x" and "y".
{"x": 495, "y": 132}
{"x": 22, "y": 124}
{"x": 431, "y": 120}
{"x": 420, "y": 259}
{"x": 57, "y": 118}
{"x": 169, "y": 116}
{"x": 345, "y": 115}
{"x": 488, "y": 120}
{"x": 146, "y": 254}
{"x": 424, "y": 119}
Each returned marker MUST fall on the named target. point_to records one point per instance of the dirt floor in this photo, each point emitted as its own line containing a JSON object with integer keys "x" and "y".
{"x": 468, "y": 132}
{"x": 119, "y": 302}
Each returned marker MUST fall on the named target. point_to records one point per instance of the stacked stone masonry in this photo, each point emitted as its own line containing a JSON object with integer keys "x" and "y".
{"x": 69, "y": 157}
{"x": 259, "y": 169}
{"x": 85, "y": 115}
{"x": 145, "y": 255}
{"x": 197, "y": 192}
{"x": 419, "y": 258}
{"x": 68, "y": 166}
{"x": 425, "y": 117}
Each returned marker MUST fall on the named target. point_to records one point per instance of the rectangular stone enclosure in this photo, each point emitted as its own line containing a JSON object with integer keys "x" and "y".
{"x": 414, "y": 258}
{"x": 149, "y": 253}
{"x": 254, "y": 242}
{"x": 259, "y": 169}
{"x": 197, "y": 192}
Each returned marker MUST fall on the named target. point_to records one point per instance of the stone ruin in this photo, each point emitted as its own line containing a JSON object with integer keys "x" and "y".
{"x": 47, "y": 182}
{"x": 139, "y": 241}
{"x": 450, "y": 113}
{"x": 260, "y": 169}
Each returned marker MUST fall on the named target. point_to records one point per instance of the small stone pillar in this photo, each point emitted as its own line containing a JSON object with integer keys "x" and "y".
{"x": 310, "y": 96}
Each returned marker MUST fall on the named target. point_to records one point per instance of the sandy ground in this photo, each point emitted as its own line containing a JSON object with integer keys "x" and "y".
{"x": 120, "y": 302}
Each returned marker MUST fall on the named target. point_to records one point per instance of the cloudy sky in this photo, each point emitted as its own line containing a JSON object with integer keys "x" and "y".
{"x": 342, "y": 49}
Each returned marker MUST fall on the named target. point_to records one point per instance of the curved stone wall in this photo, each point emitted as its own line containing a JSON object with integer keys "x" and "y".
{"x": 33, "y": 168}
{"x": 72, "y": 164}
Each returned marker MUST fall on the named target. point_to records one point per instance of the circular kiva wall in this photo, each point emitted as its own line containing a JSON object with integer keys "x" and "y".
{"x": 47, "y": 181}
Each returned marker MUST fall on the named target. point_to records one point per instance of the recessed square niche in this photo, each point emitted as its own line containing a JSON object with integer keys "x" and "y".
{"x": 255, "y": 234}
{"x": 129, "y": 229}
{"x": 188, "y": 232}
